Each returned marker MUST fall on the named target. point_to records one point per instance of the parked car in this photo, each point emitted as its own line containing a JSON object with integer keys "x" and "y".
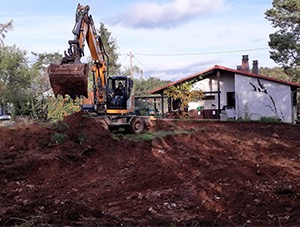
{"x": 5, "y": 117}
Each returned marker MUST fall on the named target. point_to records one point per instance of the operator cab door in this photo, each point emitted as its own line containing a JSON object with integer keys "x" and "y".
{"x": 116, "y": 100}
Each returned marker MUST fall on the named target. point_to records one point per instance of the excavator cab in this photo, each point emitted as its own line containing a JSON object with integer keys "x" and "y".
{"x": 118, "y": 93}
{"x": 119, "y": 98}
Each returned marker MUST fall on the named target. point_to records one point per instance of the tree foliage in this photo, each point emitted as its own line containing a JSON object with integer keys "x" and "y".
{"x": 276, "y": 72}
{"x": 16, "y": 80}
{"x": 185, "y": 93}
{"x": 41, "y": 66}
{"x": 285, "y": 42}
{"x": 143, "y": 86}
{"x": 110, "y": 46}
{"x": 4, "y": 28}
{"x": 59, "y": 107}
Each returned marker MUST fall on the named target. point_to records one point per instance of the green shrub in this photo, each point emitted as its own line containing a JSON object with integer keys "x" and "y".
{"x": 269, "y": 119}
{"x": 58, "y": 138}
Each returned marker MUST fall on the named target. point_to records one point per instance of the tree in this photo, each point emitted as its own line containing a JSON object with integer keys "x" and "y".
{"x": 184, "y": 93}
{"x": 22, "y": 86}
{"x": 110, "y": 46}
{"x": 143, "y": 86}
{"x": 276, "y": 72}
{"x": 4, "y": 28}
{"x": 285, "y": 42}
{"x": 15, "y": 79}
{"x": 41, "y": 66}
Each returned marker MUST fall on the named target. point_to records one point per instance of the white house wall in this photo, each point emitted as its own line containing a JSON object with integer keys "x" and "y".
{"x": 258, "y": 97}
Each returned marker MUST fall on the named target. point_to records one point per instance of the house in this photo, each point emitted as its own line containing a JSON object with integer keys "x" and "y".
{"x": 240, "y": 94}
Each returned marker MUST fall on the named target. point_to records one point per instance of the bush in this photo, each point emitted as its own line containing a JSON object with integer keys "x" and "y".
{"x": 270, "y": 119}
{"x": 58, "y": 138}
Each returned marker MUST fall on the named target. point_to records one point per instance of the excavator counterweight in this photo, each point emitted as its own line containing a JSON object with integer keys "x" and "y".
{"x": 69, "y": 79}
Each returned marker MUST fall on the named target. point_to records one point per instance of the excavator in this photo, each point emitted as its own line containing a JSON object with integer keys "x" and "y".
{"x": 70, "y": 77}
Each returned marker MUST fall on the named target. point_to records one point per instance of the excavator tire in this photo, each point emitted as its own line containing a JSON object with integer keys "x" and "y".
{"x": 69, "y": 79}
{"x": 136, "y": 125}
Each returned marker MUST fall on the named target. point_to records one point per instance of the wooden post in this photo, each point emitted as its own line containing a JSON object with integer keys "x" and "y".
{"x": 162, "y": 106}
{"x": 219, "y": 94}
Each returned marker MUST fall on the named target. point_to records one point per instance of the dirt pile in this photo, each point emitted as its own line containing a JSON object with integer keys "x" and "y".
{"x": 179, "y": 173}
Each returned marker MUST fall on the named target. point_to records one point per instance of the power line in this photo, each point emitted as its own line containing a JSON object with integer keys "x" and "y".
{"x": 201, "y": 53}
{"x": 186, "y": 54}
{"x": 124, "y": 59}
{"x": 143, "y": 65}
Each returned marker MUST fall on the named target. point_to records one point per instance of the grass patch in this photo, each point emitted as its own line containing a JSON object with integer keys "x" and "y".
{"x": 149, "y": 136}
{"x": 58, "y": 138}
{"x": 270, "y": 119}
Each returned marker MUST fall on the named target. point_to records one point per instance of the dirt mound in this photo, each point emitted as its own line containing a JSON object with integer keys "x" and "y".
{"x": 179, "y": 173}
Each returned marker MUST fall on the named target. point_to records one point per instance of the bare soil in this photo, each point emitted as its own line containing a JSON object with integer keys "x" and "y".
{"x": 194, "y": 173}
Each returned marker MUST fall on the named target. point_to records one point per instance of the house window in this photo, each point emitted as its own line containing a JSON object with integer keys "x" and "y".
{"x": 209, "y": 97}
{"x": 231, "y": 99}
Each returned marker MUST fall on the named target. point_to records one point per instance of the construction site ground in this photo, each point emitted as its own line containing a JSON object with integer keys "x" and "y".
{"x": 179, "y": 173}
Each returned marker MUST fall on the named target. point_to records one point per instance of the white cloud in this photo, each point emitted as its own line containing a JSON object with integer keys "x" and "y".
{"x": 167, "y": 15}
{"x": 176, "y": 69}
{"x": 183, "y": 66}
{"x": 169, "y": 76}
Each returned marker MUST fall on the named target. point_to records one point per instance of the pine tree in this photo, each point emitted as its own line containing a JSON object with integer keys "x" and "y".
{"x": 285, "y": 42}
{"x": 110, "y": 46}
{"x": 4, "y": 28}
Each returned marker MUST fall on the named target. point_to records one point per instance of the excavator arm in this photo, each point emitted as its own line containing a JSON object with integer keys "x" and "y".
{"x": 71, "y": 76}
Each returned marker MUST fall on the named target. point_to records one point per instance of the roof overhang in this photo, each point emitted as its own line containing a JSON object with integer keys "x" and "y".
{"x": 221, "y": 69}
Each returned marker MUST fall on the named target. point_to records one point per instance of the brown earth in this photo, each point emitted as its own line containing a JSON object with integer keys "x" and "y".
{"x": 187, "y": 173}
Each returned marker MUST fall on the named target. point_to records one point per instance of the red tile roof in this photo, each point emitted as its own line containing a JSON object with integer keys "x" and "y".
{"x": 222, "y": 68}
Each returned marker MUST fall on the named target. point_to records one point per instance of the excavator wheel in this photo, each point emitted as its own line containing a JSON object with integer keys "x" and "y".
{"x": 137, "y": 125}
{"x": 69, "y": 79}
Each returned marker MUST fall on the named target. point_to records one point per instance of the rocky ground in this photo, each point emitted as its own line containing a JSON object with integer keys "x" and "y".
{"x": 194, "y": 173}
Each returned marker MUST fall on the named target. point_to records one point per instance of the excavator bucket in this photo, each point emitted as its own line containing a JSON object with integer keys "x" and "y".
{"x": 69, "y": 79}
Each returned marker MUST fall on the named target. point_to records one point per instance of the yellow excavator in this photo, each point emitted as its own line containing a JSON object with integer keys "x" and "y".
{"x": 70, "y": 77}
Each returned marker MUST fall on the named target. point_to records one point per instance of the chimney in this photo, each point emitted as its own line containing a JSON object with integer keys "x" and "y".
{"x": 238, "y": 67}
{"x": 245, "y": 63}
{"x": 255, "y": 67}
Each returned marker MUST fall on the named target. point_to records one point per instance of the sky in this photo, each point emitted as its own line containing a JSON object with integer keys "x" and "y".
{"x": 169, "y": 39}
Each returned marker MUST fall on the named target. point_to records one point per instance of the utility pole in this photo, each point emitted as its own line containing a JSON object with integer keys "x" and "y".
{"x": 131, "y": 70}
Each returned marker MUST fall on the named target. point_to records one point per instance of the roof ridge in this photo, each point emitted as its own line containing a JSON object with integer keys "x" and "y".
{"x": 220, "y": 67}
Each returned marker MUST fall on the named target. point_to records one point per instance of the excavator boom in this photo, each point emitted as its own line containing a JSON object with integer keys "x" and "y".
{"x": 71, "y": 76}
